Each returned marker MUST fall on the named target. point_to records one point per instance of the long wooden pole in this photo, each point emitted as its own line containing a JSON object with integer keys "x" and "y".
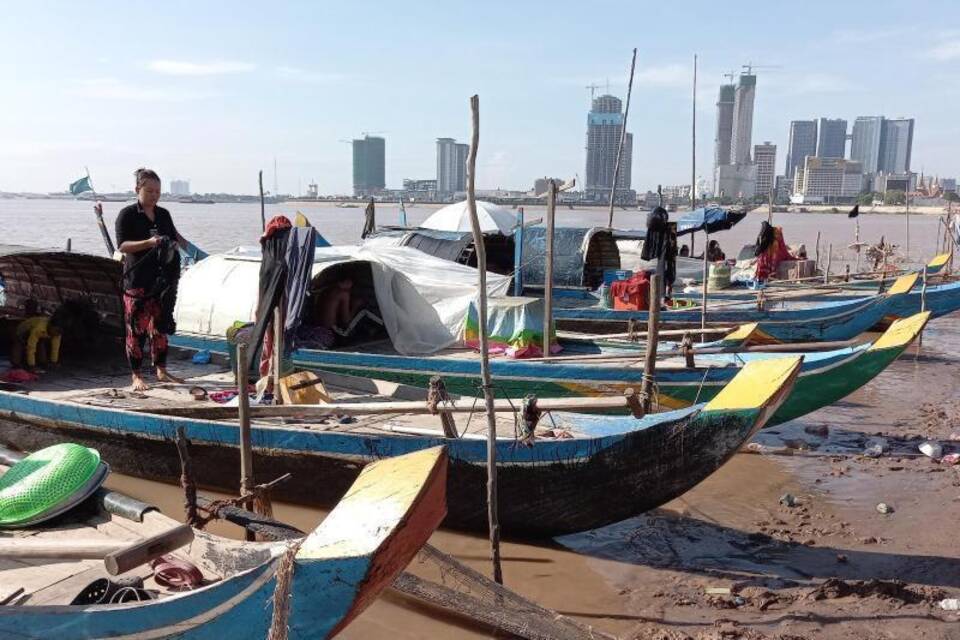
{"x": 706, "y": 280}
{"x": 263, "y": 213}
{"x": 548, "y": 269}
{"x": 493, "y": 516}
{"x": 277, "y": 351}
{"x": 98, "y": 212}
{"x": 518, "y": 254}
{"x": 693, "y": 149}
{"x": 653, "y": 326}
{"x": 826, "y": 274}
{"x": 906, "y": 200}
{"x": 243, "y": 409}
{"x": 623, "y": 136}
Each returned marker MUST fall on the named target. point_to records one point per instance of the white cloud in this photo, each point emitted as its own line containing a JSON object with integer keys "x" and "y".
{"x": 183, "y": 68}
{"x": 114, "y": 89}
{"x": 945, "y": 51}
{"x": 310, "y": 77}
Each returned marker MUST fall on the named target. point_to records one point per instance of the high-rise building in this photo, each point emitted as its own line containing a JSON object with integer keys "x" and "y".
{"x": 741, "y": 137}
{"x": 451, "y": 166}
{"x": 803, "y": 143}
{"x": 828, "y": 180}
{"x": 832, "y": 141}
{"x": 604, "y": 126}
{"x": 725, "y": 102}
{"x": 896, "y": 145}
{"x": 865, "y": 142}
{"x": 765, "y": 158}
{"x": 736, "y": 181}
{"x": 180, "y": 187}
{"x": 369, "y": 165}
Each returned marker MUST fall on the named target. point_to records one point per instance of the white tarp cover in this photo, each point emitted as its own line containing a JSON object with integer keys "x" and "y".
{"x": 423, "y": 300}
{"x": 456, "y": 217}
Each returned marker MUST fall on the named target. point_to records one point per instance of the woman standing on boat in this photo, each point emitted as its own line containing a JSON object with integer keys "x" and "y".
{"x": 148, "y": 240}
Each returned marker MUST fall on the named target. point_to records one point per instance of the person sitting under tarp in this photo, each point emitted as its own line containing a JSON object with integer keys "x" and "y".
{"x": 770, "y": 251}
{"x": 714, "y": 252}
{"x": 339, "y": 312}
{"x": 37, "y": 340}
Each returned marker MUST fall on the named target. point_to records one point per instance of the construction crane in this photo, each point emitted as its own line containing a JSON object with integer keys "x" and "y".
{"x": 749, "y": 67}
{"x": 593, "y": 89}
{"x": 368, "y": 133}
{"x": 730, "y": 75}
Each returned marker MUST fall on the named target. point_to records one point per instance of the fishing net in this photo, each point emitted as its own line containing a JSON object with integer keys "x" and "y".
{"x": 470, "y": 594}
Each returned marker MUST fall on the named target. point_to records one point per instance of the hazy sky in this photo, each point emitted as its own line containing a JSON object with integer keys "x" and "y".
{"x": 213, "y": 92}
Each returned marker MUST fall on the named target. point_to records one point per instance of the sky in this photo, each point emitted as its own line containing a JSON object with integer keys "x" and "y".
{"x": 214, "y": 91}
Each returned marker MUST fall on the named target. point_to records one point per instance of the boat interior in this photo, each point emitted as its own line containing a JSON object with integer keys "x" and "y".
{"x": 36, "y": 581}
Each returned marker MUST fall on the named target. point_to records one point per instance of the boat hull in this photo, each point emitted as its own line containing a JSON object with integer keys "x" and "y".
{"x": 824, "y": 379}
{"x": 618, "y": 467}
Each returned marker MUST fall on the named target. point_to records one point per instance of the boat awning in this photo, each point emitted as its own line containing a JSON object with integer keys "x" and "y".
{"x": 423, "y": 300}
{"x": 711, "y": 219}
{"x": 54, "y": 276}
{"x": 580, "y": 256}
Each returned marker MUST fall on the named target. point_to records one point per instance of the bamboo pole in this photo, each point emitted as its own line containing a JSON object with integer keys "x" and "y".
{"x": 493, "y": 516}
{"x": 277, "y": 351}
{"x": 706, "y": 280}
{"x": 518, "y": 254}
{"x": 246, "y": 443}
{"x": 693, "y": 150}
{"x": 826, "y": 274}
{"x": 817, "y": 263}
{"x": 263, "y": 213}
{"x": 375, "y": 408}
{"x": 548, "y": 269}
{"x": 623, "y": 135}
{"x": 653, "y": 326}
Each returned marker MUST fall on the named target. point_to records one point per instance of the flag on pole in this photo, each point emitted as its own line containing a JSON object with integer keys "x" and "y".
{"x": 80, "y": 186}
{"x": 854, "y": 212}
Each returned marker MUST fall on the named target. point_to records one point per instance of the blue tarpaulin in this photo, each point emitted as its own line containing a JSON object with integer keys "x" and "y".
{"x": 712, "y": 219}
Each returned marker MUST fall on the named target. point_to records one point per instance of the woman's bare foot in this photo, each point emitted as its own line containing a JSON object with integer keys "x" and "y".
{"x": 139, "y": 384}
{"x": 164, "y": 376}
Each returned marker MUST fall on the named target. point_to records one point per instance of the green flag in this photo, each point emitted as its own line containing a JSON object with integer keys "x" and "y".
{"x": 81, "y": 185}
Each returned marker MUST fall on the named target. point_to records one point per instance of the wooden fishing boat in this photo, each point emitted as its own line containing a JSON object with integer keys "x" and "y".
{"x": 826, "y": 376}
{"x": 790, "y": 321}
{"x": 580, "y": 471}
{"x": 338, "y": 569}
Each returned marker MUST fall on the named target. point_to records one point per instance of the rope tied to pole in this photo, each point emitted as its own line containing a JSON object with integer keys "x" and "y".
{"x": 437, "y": 393}
{"x": 530, "y": 415}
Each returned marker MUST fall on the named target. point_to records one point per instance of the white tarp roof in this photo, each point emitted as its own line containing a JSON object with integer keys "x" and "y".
{"x": 456, "y": 217}
{"x": 423, "y": 300}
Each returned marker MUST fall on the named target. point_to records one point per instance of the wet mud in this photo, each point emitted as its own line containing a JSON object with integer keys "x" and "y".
{"x": 785, "y": 541}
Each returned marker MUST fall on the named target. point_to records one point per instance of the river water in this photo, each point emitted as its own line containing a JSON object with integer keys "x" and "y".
{"x": 625, "y": 578}
{"x": 218, "y": 227}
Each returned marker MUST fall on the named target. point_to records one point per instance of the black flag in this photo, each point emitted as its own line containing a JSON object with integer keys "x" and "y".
{"x": 854, "y": 212}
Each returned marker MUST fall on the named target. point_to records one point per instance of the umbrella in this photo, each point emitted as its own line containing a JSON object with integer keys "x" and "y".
{"x": 711, "y": 219}
{"x": 456, "y": 217}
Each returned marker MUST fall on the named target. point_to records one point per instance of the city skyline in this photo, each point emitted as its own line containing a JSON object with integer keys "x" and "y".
{"x": 219, "y": 112}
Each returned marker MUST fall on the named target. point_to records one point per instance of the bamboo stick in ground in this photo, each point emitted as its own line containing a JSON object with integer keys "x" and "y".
{"x": 492, "y": 512}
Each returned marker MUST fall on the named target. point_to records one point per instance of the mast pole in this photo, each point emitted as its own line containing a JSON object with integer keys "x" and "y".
{"x": 623, "y": 136}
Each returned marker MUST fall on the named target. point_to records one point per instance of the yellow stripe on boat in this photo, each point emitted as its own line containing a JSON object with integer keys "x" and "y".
{"x": 938, "y": 261}
{"x": 749, "y": 334}
{"x": 904, "y": 283}
{"x": 741, "y": 333}
{"x": 757, "y": 384}
{"x": 902, "y": 332}
{"x": 377, "y": 502}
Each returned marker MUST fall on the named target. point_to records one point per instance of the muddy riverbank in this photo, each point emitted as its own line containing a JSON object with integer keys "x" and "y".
{"x": 730, "y": 559}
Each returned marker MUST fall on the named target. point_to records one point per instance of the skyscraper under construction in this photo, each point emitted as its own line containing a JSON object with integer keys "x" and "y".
{"x": 604, "y": 125}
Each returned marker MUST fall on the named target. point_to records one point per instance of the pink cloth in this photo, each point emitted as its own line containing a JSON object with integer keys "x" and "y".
{"x": 19, "y": 375}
